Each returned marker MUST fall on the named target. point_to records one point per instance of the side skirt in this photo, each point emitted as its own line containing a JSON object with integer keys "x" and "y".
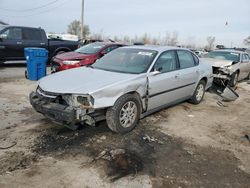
{"x": 147, "y": 113}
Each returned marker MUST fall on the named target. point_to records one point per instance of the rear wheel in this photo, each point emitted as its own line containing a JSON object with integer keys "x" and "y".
{"x": 60, "y": 52}
{"x": 198, "y": 93}
{"x": 125, "y": 114}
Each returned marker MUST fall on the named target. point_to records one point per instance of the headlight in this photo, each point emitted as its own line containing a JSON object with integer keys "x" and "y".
{"x": 229, "y": 67}
{"x": 84, "y": 101}
{"x": 70, "y": 62}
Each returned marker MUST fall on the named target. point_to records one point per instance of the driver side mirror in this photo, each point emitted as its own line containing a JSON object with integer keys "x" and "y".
{"x": 154, "y": 73}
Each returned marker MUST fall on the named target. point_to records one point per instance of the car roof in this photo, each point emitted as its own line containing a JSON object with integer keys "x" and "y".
{"x": 228, "y": 50}
{"x": 22, "y": 27}
{"x": 109, "y": 43}
{"x": 155, "y": 47}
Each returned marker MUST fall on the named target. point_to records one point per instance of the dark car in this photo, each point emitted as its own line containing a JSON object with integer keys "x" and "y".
{"x": 83, "y": 56}
{"x": 13, "y": 40}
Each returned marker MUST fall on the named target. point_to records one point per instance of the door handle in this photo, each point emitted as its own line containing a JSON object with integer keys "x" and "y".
{"x": 42, "y": 43}
{"x": 19, "y": 43}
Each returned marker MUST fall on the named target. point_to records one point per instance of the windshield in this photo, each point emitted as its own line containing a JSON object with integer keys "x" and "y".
{"x": 126, "y": 60}
{"x": 91, "y": 48}
{"x": 232, "y": 56}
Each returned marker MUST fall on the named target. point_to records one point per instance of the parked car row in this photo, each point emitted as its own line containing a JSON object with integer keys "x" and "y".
{"x": 122, "y": 87}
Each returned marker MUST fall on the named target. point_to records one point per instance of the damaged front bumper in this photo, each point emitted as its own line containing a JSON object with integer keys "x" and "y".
{"x": 65, "y": 114}
{"x": 222, "y": 73}
{"x": 58, "y": 113}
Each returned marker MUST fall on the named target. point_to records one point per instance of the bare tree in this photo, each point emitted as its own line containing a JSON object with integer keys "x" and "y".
{"x": 74, "y": 28}
{"x": 191, "y": 42}
{"x": 173, "y": 39}
{"x": 126, "y": 39}
{"x": 210, "y": 43}
{"x": 97, "y": 36}
{"x": 247, "y": 41}
{"x": 116, "y": 38}
{"x": 166, "y": 39}
{"x": 154, "y": 41}
{"x": 146, "y": 39}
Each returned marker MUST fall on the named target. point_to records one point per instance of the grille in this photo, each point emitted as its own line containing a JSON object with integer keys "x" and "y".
{"x": 46, "y": 93}
{"x": 51, "y": 97}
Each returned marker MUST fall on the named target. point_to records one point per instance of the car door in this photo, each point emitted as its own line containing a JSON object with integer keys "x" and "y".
{"x": 33, "y": 38}
{"x": 11, "y": 44}
{"x": 189, "y": 72}
{"x": 163, "y": 86}
{"x": 244, "y": 66}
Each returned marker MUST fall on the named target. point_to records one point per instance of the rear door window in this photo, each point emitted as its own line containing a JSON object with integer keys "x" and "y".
{"x": 186, "y": 59}
{"x": 31, "y": 34}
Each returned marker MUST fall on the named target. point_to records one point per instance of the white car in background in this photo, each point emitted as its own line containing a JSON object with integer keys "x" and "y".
{"x": 231, "y": 65}
{"x": 200, "y": 53}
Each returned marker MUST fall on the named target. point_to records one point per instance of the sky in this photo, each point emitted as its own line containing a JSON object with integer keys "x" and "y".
{"x": 194, "y": 20}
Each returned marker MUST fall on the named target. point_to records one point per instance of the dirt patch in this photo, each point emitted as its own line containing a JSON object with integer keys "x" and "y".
{"x": 146, "y": 150}
{"x": 16, "y": 160}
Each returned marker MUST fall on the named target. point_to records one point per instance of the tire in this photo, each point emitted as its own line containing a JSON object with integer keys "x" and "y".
{"x": 248, "y": 77}
{"x": 60, "y": 52}
{"x": 120, "y": 120}
{"x": 234, "y": 79}
{"x": 26, "y": 74}
{"x": 198, "y": 93}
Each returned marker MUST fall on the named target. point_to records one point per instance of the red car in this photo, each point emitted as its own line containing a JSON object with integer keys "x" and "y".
{"x": 83, "y": 56}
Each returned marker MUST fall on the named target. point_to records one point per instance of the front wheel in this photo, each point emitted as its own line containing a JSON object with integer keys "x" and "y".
{"x": 234, "y": 79}
{"x": 198, "y": 93}
{"x": 125, "y": 114}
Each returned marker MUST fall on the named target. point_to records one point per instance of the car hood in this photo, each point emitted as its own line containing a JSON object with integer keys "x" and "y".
{"x": 72, "y": 56}
{"x": 216, "y": 62}
{"x": 82, "y": 80}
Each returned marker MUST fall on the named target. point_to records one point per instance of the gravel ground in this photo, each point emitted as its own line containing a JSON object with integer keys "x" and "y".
{"x": 183, "y": 146}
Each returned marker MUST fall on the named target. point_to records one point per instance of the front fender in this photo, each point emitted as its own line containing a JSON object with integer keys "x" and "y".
{"x": 108, "y": 96}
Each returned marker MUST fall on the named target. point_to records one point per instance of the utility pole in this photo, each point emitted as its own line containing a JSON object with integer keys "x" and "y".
{"x": 82, "y": 20}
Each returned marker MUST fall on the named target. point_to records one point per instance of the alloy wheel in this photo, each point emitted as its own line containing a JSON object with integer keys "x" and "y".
{"x": 128, "y": 114}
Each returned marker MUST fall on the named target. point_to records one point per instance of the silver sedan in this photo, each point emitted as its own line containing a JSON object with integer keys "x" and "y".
{"x": 125, "y": 85}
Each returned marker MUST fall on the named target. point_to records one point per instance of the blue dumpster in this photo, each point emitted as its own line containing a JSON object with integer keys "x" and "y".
{"x": 36, "y": 62}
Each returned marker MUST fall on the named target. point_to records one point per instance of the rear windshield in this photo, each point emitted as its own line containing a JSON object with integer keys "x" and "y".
{"x": 91, "y": 48}
{"x": 232, "y": 56}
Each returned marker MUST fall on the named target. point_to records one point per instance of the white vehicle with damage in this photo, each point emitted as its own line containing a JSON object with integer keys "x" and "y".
{"x": 125, "y": 85}
{"x": 231, "y": 65}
